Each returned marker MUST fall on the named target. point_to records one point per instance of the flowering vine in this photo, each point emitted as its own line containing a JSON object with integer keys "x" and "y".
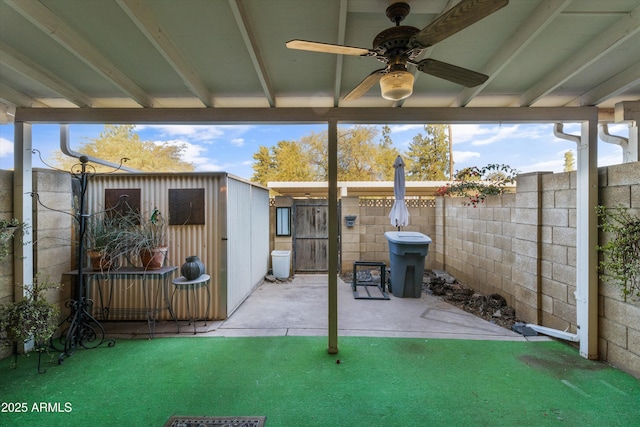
{"x": 477, "y": 183}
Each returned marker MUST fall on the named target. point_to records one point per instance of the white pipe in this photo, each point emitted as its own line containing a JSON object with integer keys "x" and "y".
{"x": 555, "y": 332}
{"x": 603, "y": 133}
{"x": 66, "y": 149}
{"x": 557, "y": 131}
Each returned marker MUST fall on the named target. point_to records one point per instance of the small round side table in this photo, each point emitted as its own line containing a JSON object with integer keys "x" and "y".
{"x": 182, "y": 283}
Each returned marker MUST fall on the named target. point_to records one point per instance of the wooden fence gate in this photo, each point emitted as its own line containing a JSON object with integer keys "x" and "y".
{"x": 311, "y": 236}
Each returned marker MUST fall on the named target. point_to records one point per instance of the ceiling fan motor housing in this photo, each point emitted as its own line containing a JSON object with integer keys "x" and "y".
{"x": 394, "y": 40}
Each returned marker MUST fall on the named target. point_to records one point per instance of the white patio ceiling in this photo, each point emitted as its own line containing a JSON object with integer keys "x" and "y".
{"x": 231, "y": 53}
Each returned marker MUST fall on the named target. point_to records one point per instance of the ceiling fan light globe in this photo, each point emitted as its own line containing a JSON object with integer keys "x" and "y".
{"x": 396, "y": 85}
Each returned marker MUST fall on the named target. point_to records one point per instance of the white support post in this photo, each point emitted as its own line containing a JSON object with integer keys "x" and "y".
{"x": 633, "y": 150}
{"x": 587, "y": 241}
{"x": 629, "y": 112}
{"x": 23, "y": 211}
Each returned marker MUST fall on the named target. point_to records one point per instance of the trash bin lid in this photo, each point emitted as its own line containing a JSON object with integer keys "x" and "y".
{"x": 407, "y": 237}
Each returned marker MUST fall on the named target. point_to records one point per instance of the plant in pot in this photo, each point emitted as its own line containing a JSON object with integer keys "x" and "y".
{"x": 152, "y": 241}
{"x": 104, "y": 233}
{"x": 31, "y": 318}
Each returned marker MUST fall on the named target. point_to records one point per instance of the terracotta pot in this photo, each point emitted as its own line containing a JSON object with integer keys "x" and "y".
{"x": 153, "y": 259}
{"x": 99, "y": 261}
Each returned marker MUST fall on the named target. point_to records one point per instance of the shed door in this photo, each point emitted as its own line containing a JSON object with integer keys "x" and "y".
{"x": 311, "y": 236}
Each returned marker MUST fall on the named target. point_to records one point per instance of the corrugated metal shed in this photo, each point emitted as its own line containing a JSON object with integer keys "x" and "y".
{"x": 233, "y": 242}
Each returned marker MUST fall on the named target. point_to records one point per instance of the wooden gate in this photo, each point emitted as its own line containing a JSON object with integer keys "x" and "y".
{"x": 311, "y": 236}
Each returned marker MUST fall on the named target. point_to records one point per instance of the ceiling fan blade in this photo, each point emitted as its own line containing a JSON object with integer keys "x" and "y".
{"x": 329, "y": 48}
{"x": 459, "y": 17}
{"x": 452, "y": 73}
{"x": 366, "y": 84}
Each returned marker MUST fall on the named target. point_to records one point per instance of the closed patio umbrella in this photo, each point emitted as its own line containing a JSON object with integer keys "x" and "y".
{"x": 399, "y": 214}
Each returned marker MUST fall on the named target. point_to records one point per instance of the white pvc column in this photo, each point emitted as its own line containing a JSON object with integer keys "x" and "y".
{"x": 587, "y": 240}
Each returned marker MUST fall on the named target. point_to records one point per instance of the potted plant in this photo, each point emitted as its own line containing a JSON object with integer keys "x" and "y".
{"x": 104, "y": 235}
{"x": 31, "y": 318}
{"x": 150, "y": 240}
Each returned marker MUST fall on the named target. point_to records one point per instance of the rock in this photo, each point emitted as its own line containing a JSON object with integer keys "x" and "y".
{"x": 523, "y": 329}
{"x": 364, "y": 276}
{"x": 270, "y": 278}
{"x": 496, "y": 301}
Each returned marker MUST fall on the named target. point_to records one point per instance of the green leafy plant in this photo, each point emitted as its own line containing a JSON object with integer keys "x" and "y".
{"x": 620, "y": 265}
{"x": 7, "y": 232}
{"x": 33, "y": 317}
{"x": 107, "y": 234}
{"x": 477, "y": 183}
{"x": 142, "y": 235}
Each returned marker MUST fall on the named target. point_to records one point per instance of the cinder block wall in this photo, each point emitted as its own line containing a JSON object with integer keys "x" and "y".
{"x": 6, "y": 264}
{"x": 54, "y": 231}
{"x": 619, "y": 321}
{"x": 52, "y": 234}
{"x": 523, "y": 246}
{"x": 475, "y": 245}
{"x": 365, "y": 241}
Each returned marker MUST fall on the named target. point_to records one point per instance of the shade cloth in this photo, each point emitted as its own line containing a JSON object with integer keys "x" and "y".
{"x": 399, "y": 214}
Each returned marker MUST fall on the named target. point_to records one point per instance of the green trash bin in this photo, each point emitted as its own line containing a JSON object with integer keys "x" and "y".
{"x": 407, "y": 251}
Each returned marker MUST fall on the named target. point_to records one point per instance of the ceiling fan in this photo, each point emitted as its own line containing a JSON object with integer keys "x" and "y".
{"x": 401, "y": 45}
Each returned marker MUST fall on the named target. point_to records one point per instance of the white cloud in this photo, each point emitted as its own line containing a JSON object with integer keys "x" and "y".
{"x": 463, "y": 156}
{"x": 6, "y": 147}
{"x": 500, "y": 133}
{"x": 211, "y": 166}
{"x": 555, "y": 165}
{"x": 405, "y": 128}
{"x": 202, "y": 133}
{"x": 238, "y": 142}
{"x": 612, "y": 159}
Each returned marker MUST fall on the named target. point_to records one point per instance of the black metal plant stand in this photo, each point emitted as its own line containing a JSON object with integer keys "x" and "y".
{"x": 82, "y": 329}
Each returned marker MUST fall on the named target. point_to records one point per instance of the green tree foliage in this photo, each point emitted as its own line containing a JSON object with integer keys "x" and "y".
{"x": 620, "y": 264}
{"x": 385, "y": 156}
{"x": 428, "y": 155}
{"x": 285, "y": 161}
{"x": 360, "y": 157}
{"x": 569, "y": 161}
{"x": 120, "y": 141}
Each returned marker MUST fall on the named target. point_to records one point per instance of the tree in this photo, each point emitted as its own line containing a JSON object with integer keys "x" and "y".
{"x": 264, "y": 165}
{"x": 285, "y": 161}
{"x": 385, "y": 156}
{"x": 569, "y": 161}
{"x": 428, "y": 155}
{"x": 360, "y": 157}
{"x": 120, "y": 141}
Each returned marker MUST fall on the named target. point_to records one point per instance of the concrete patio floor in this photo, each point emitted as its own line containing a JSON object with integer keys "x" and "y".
{"x": 299, "y": 307}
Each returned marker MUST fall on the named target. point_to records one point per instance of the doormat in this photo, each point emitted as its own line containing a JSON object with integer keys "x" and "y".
{"x": 181, "y": 421}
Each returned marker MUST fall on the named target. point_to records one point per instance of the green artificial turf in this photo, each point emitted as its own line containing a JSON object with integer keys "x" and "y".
{"x": 295, "y": 382}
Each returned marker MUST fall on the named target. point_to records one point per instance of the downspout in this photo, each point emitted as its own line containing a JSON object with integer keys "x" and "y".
{"x": 558, "y": 133}
{"x": 603, "y": 133}
{"x": 66, "y": 149}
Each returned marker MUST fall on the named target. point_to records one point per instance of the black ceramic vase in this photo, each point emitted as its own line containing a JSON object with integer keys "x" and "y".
{"x": 192, "y": 268}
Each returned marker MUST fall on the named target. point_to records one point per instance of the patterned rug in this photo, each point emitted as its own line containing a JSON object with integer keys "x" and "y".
{"x": 181, "y": 421}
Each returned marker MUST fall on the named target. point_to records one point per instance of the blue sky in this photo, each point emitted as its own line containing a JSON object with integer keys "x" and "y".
{"x": 230, "y": 148}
